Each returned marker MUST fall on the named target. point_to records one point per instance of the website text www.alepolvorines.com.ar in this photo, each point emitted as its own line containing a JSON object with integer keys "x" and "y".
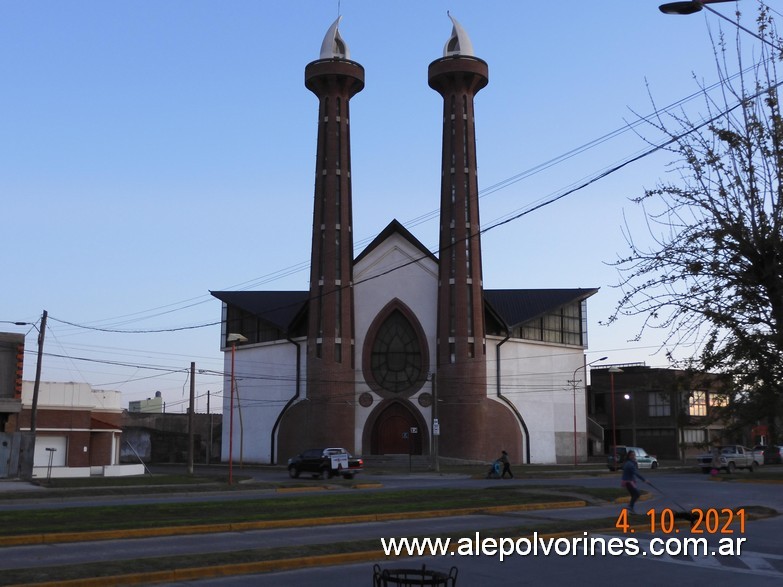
{"x": 537, "y": 545}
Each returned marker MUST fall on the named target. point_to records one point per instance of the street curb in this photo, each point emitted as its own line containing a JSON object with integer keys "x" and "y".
{"x": 194, "y": 573}
{"x": 301, "y": 489}
{"x": 310, "y": 488}
{"x": 627, "y": 498}
{"x": 58, "y": 538}
{"x": 277, "y": 565}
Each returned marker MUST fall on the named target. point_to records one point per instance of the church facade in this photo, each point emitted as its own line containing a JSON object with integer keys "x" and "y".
{"x": 400, "y": 350}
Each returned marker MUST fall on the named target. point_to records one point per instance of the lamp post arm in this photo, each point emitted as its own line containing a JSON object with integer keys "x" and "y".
{"x": 694, "y": 6}
{"x": 739, "y": 26}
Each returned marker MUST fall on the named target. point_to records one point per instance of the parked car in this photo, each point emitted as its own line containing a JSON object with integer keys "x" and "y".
{"x": 729, "y": 458}
{"x": 773, "y": 455}
{"x": 325, "y": 463}
{"x": 616, "y": 459}
{"x": 758, "y": 454}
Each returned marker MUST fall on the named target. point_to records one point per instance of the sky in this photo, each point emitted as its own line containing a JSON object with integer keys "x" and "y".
{"x": 152, "y": 152}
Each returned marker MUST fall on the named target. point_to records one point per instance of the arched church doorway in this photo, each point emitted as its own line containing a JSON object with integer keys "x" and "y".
{"x": 396, "y": 431}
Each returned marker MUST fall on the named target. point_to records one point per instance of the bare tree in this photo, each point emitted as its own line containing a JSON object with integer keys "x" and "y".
{"x": 712, "y": 276}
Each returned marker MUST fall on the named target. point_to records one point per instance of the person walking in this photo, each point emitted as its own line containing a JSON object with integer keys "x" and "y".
{"x": 506, "y": 466}
{"x": 630, "y": 473}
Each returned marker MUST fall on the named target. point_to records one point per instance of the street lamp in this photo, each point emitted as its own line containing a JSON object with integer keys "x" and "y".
{"x": 612, "y": 371}
{"x": 574, "y": 382}
{"x": 232, "y": 338}
{"x": 688, "y": 7}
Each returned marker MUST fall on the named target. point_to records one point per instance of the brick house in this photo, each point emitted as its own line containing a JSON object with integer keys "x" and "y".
{"x": 78, "y": 430}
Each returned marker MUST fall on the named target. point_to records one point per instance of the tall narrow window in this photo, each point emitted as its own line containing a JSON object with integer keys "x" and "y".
{"x": 658, "y": 405}
{"x": 338, "y": 312}
{"x": 464, "y": 131}
{"x": 396, "y": 360}
{"x": 452, "y": 311}
{"x": 453, "y": 130}
{"x": 337, "y": 129}
{"x": 470, "y": 309}
{"x": 697, "y": 403}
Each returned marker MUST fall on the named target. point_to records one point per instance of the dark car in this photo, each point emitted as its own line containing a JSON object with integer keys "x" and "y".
{"x": 325, "y": 463}
{"x": 773, "y": 455}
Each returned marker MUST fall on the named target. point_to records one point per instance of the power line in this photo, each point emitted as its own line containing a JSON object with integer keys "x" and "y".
{"x": 303, "y": 265}
{"x": 149, "y": 331}
{"x": 115, "y": 363}
{"x": 517, "y": 216}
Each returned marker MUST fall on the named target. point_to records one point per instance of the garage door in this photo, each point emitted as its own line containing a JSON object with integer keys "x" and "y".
{"x": 60, "y": 446}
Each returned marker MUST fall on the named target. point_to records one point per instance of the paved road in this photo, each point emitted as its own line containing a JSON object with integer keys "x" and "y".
{"x": 761, "y": 561}
{"x": 761, "y": 565}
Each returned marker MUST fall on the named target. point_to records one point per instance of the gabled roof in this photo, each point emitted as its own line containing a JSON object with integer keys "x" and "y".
{"x": 395, "y": 226}
{"x": 517, "y": 306}
{"x": 278, "y": 308}
{"x": 98, "y": 424}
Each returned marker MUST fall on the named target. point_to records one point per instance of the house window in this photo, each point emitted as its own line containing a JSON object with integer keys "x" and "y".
{"x": 694, "y": 436}
{"x": 697, "y": 403}
{"x": 531, "y": 330}
{"x": 396, "y": 359}
{"x": 250, "y": 326}
{"x": 658, "y": 404}
{"x": 563, "y": 326}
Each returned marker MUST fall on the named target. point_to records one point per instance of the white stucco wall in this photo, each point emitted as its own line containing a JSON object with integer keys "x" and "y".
{"x": 265, "y": 380}
{"x": 535, "y": 378}
{"x": 415, "y": 284}
{"x": 54, "y": 395}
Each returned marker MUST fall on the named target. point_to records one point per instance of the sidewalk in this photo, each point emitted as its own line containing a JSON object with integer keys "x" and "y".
{"x": 7, "y": 486}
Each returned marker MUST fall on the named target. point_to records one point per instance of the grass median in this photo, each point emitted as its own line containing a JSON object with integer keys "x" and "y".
{"x": 292, "y": 507}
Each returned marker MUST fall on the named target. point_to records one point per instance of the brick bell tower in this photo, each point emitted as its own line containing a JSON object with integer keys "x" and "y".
{"x": 334, "y": 79}
{"x": 472, "y": 426}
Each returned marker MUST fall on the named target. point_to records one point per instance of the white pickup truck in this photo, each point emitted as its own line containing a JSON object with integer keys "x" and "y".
{"x": 729, "y": 458}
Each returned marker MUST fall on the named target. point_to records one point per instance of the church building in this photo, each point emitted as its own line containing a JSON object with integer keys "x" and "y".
{"x": 401, "y": 350}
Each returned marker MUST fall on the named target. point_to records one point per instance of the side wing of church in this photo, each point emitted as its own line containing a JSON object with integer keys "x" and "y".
{"x": 400, "y": 350}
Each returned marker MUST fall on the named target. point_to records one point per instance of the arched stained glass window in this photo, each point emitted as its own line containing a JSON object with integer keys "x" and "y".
{"x": 396, "y": 360}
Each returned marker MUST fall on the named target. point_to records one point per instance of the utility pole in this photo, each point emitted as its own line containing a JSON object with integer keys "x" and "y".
{"x": 27, "y": 456}
{"x": 209, "y": 446}
{"x": 190, "y": 416}
{"x": 37, "y": 385}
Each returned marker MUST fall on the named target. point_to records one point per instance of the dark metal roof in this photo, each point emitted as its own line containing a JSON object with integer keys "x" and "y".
{"x": 278, "y": 308}
{"x": 517, "y": 306}
{"x": 512, "y": 306}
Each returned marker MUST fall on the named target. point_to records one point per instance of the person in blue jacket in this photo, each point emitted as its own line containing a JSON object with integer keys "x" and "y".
{"x": 630, "y": 472}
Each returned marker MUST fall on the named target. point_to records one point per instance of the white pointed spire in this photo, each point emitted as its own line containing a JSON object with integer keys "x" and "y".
{"x": 333, "y": 45}
{"x": 459, "y": 42}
